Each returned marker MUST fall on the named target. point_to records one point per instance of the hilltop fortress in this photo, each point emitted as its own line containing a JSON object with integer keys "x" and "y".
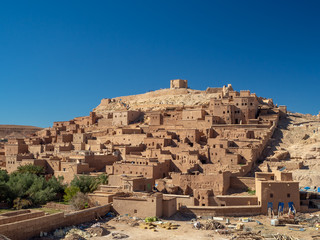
{"x": 168, "y": 150}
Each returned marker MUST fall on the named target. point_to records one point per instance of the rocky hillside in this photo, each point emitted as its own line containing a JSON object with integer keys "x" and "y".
{"x": 297, "y": 139}
{"x": 157, "y": 100}
{"x": 18, "y": 131}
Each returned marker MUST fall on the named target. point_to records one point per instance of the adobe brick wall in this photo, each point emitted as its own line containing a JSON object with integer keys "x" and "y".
{"x": 86, "y": 215}
{"x": 59, "y": 206}
{"x": 222, "y": 211}
{"x": 10, "y": 219}
{"x": 242, "y": 183}
{"x": 25, "y": 229}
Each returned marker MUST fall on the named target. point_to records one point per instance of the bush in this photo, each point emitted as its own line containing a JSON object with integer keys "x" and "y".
{"x": 21, "y": 203}
{"x": 70, "y": 192}
{"x": 80, "y": 201}
{"x": 151, "y": 219}
{"x": 251, "y": 192}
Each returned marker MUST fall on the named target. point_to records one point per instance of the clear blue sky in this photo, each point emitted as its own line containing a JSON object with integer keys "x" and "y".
{"x": 58, "y": 59}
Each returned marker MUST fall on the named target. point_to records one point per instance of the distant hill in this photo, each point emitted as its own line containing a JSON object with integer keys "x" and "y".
{"x": 17, "y": 131}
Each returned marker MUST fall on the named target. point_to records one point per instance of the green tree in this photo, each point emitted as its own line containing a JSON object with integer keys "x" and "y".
{"x": 86, "y": 184}
{"x": 19, "y": 184}
{"x": 39, "y": 192}
{"x": 56, "y": 184}
{"x": 103, "y": 179}
{"x": 4, "y": 176}
{"x": 36, "y": 189}
{"x": 30, "y": 168}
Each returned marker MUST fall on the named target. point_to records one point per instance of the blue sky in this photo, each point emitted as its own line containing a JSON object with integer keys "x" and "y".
{"x": 58, "y": 59}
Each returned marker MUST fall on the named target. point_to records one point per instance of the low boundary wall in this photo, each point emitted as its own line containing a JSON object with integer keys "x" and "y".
{"x": 25, "y": 229}
{"x": 221, "y": 211}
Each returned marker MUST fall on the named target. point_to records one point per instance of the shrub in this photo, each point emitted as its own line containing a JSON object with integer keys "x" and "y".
{"x": 21, "y": 203}
{"x": 80, "y": 201}
{"x": 251, "y": 192}
{"x": 70, "y": 192}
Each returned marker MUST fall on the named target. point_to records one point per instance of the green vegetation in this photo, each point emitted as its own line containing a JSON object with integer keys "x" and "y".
{"x": 88, "y": 184}
{"x": 23, "y": 189}
{"x": 27, "y": 187}
{"x": 70, "y": 192}
{"x": 151, "y": 219}
{"x": 33, "y": 169}
{"x": 6, "y": 210}
{"x": 47, "y": 210}
{"x": 251, "y": 192}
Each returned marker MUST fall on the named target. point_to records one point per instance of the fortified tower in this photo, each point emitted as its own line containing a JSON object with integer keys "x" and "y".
{"x": 178, "y": 83}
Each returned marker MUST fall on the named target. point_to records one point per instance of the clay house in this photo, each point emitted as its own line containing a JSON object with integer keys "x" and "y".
{"x": 133, "y": 183}
{"x": 277, "y": 191}
{"x": 146, "y": 167}
{"x": 71, "y": 168}
{"x": 145, "y": 205}
{"x": 124, "y": 118}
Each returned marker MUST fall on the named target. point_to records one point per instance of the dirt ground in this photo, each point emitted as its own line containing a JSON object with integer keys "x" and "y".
{"x": 187, "y": 231}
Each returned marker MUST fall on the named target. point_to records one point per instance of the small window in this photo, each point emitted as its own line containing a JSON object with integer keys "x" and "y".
{"x": 271, "y": 195}
{"x": 135, "y": 211}
{"x": 288, "y": 195}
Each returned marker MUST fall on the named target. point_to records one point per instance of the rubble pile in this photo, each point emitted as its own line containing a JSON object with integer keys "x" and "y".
{"x": 119, "y": 235}
{"x": 311, "y": 221}
{"x": 211, "y": 225}
{"x": 132, "y": 221}
{"x": 258, "y": 236}
{"x": 247, "y": 236}
{"x": 279, "y": 236}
